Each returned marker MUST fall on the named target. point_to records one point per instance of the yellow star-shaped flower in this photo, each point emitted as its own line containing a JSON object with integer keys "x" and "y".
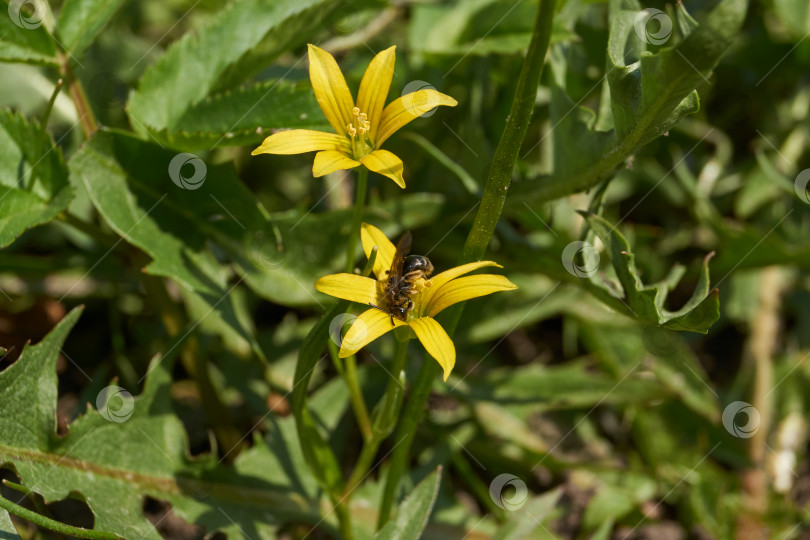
{"x": 360, "y": 128}
{"x": 432, "y": 296}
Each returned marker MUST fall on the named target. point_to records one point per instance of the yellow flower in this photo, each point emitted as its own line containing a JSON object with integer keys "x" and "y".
{"x": 432, "y": 296}
{"x": 360, "y": 128}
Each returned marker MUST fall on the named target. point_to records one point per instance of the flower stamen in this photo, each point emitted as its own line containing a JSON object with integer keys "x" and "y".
{"x": 359, "y": 127}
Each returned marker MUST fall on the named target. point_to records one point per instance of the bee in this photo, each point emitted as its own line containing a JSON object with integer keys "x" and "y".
{"x": 404, "y": 272}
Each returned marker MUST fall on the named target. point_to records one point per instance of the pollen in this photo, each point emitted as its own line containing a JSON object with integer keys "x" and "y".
{"x": 360, "y": 124}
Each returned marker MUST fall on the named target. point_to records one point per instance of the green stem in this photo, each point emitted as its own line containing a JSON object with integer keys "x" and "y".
{"x": 79, "y": 97}
{"x": 486, "y": 218}
{"x": 357, "y": 217}
{"x": 503, "y": 163}
{"x": 52, "y": 524}
{"x": 385, "y": 416}
{"x": 356, "y": 394}
{"x": 411, "y": 418}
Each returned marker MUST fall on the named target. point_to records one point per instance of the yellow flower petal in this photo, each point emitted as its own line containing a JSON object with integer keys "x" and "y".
{"x": 328, "y": 161}
{"x": 436, "y": 342}
{"x": 374, "y": 87}
{"x": 330, "y": 88}
{"x": 410, "y": 107}
{"x": 437, "y": 281}
{"x": 371, "y": 236}
{"x": 385, "y": 163}
{"x": 362, "y": 290}
{"x": 465, "y": 288}
{"x": 368, "y": 326}
{"x": 298, "y": 141}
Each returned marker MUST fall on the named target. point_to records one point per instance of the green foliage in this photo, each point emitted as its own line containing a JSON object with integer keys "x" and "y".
{"x": 646, "y": 302}
{"x": 233, "y": 46}
{"x": 33, "y": 177}
{"x": 668, "y": 143}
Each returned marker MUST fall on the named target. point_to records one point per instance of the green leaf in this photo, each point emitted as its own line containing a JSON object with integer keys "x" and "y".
{"x": 646, "y": 302}
{"x": 33, "y": 177}
{"x": 413, "y": 513}
{"x": 80, "y": 21}
{"x": 236, "y": 43}
{"x": 317, "y": 452}
{"x": 24, "y": 38}
{"x": 117, "y": 171}
{"x": 648, "y": 96}
{"x": 134, "y": 447}
{"x": 239, "y": 117}
{"x": 530, "y": 516}
{"x": 7, "y": 529}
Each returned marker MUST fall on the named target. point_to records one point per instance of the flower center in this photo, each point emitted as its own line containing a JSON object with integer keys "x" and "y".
{"x": 359, "y": 134}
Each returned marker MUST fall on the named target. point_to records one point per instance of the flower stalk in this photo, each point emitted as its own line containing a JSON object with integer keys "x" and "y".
{"x": 486, "y": 218}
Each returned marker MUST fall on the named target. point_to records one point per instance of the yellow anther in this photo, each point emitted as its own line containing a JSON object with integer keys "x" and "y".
{"x": 362, "y": 116}
{"x": 355, "y": 112}
{"x": 361, "y": 130}
{"x": 351, "y": 130}
{"x": 367, "y": 125}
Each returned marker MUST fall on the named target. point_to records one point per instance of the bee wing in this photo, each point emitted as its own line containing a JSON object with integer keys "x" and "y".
{"x": 403, "y": 248}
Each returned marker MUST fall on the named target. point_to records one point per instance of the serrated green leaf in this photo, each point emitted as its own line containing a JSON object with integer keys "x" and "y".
{"x": 80, "y": 21}
{"x": 25, "y": 40}
{"x": 239, "y": 117}
{"x": 646, "y": 302}
{"x": 236, "y": 43}
{"x": 7, "y": 529}
{"x": 96, "y": 459}
{"x": 33, "y": 177}
{"x": 413, "y": 513}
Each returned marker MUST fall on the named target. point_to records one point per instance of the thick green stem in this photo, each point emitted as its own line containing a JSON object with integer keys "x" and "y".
{"x": 53, "y": 525}
{"x": 486, "y": 218}
{"x": 357, "y": 217}
{"x": 500, "y": 172}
